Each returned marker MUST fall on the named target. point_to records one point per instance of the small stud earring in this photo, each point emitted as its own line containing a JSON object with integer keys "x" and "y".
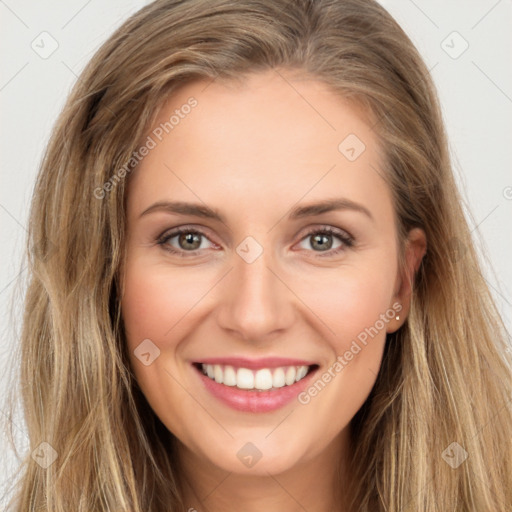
{"x": 398, "y": 317}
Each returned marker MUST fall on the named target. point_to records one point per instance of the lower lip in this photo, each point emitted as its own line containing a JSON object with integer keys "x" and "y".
{"x": 252, "y": 400}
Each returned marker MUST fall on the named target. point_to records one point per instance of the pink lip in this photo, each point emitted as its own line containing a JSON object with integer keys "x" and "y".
{"x": 251, "y": 400}
{"x": 256, "y": 364}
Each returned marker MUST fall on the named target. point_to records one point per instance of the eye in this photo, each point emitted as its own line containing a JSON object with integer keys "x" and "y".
{"x": 182, "y": 240}
{"x": 327, "y": 239}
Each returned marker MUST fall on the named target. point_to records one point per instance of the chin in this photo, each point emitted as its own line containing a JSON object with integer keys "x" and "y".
{"x": 255, "y": 455}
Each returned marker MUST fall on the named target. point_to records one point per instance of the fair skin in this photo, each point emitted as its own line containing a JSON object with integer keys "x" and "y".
{"x": 253, "y": 152}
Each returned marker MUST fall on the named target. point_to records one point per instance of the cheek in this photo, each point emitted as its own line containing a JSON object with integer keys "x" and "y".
{"x": 157, "y": 300}
{"x": 156, "y": 306}
{"x": 353, "y": 305}
{"x": 362, "y": 303}
{"x": 350, "y": 300}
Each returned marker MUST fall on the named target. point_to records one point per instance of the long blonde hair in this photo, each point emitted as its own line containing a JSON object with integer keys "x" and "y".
{"x": 446, "y": 375}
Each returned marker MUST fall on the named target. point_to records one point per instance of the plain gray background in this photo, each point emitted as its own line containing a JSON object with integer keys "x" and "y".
{"x": 466, "y": 44}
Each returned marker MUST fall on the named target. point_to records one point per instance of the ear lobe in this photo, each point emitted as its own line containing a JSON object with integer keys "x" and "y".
{"x": 416, "y": 247}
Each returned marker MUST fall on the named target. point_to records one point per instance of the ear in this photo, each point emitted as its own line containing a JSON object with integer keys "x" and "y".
{"x": 415, "y": 249}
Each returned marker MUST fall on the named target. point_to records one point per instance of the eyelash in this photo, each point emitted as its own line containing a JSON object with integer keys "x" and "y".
{"x": 346, "y": 240}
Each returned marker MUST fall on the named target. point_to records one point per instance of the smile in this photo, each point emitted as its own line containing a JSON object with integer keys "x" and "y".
{"x": 260, "y": 380}
{"x": 255, "y": 386}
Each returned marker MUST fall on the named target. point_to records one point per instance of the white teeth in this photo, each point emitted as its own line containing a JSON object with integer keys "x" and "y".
{"x": 229, "y": 376}
{"x": 278, "y": 378}
{"x": 218, "y": 373}
{"x": 290, "y": 375}
{"x": 264, "y": 379}
{"x": 301, "y": 373}
{"x": 244, "y": 379}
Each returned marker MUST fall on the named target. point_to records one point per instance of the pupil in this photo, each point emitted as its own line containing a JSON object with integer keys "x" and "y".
{"x": 323, "y": 242}
{"x": 189, "y": 238}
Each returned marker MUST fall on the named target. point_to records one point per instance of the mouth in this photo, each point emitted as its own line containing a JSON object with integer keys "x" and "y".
{"x": 250, "y": 386}
{"x": 263, "y": 379}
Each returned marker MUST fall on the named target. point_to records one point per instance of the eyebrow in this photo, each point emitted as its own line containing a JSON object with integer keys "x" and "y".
{"x": 329, "y": 205}
{"x": 199, "y": 210}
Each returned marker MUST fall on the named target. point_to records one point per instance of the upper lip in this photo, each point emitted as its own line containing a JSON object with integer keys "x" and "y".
{"x": 255, "y": 364}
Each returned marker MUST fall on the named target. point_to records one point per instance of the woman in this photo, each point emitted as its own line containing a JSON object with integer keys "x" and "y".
{"x": 245, "y": 294}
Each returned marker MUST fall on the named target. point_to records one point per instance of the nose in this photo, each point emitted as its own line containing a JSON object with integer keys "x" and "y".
{"x": 255, "y": 303}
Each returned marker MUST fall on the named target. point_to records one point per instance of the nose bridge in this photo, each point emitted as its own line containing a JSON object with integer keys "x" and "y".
{"x": 256, "y": 302}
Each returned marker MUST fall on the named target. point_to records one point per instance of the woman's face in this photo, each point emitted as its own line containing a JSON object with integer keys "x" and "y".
{"x": 286, "y": 262}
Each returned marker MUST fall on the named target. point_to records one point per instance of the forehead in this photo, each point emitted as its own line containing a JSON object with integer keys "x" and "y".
{"x": 271, "y": 137}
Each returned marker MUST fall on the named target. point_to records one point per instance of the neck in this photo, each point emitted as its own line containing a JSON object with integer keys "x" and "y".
{"x": 320, "y": 483}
